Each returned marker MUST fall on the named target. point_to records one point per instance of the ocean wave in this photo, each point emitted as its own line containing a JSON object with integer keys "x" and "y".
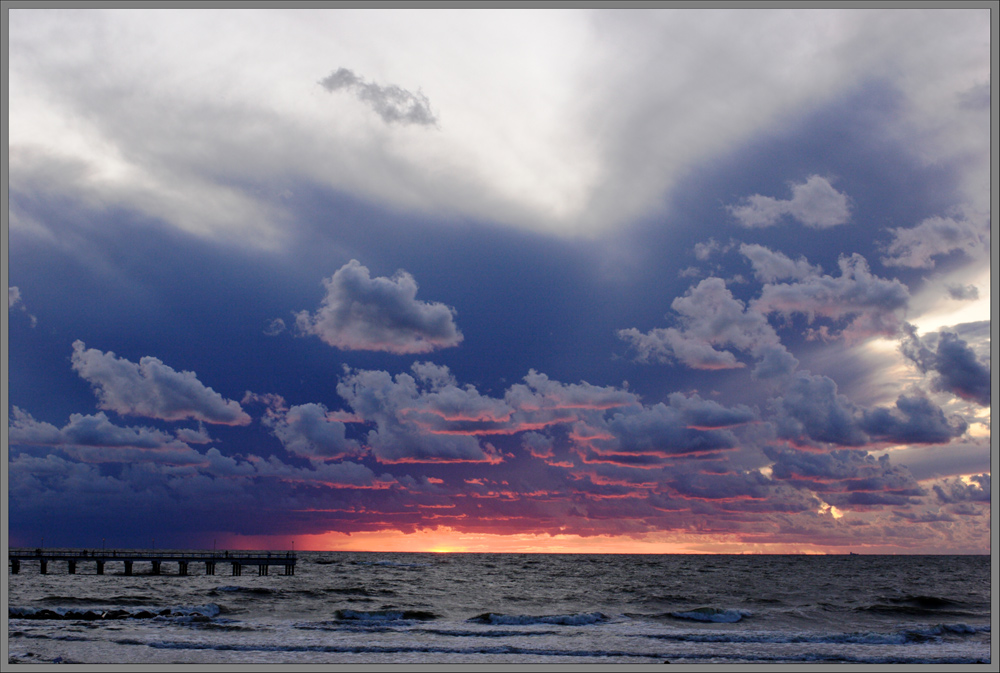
{"x": 717, "y": 615}
{"x": 491, "y": 633}
{"x": 521, "y": 620}
{"x": 384, "y": 615}
{"x": 905, "y": 637}
{"x": 245, "y": 590}
{"x": 61, "y": 612}
{"x": 916, "y": 605}
{"x": 392, "y": 564}
{"x": 402, "y": 649}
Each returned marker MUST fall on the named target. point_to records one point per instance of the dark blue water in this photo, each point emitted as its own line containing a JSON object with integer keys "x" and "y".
{"x": 512, "y": 608}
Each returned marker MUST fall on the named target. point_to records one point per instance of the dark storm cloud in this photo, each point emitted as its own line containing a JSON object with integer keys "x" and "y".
{"x": 814, "y": 203}
{"x": 846, "y": 479}
{"x": 379, "y": 314}
{"x": 957, "y": 491}
{"x": 152, "y": 389}
{"x": 869, "y": 303}
{"x": 663, "y": 431}
{"x": 915, "y": 420}
{"x": 812, "y": 409}
{"x": 958, "y": 369}
{"x": 917, "y": 246}
{"x": 837, "y": 466}
{"x": 701, "y": 413}
{"x": 392, "y": 103}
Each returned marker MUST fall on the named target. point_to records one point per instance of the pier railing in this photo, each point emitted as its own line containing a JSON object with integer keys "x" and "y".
{"x": 128, "y": 557}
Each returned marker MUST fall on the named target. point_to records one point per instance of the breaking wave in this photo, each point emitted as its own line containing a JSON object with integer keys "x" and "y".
{"x": 717, "y": 615}
{"x": 521, "y": 620}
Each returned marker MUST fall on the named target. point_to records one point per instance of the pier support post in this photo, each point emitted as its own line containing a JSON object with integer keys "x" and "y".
{"x": 237, "y": 569}
{"x": 156, "y": 567}
{"x": 43, "y": 567}
{"x": 128, "y": 567}
{"x": 209, "y": 567}
{"x": 182, "y": 568}
{"x": 71, "y": 566}
{"x": 15, "y": 566}
{"x": 100, "y": 567}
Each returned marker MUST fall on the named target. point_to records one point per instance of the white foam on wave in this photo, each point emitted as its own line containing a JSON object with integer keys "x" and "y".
{"x": 717, "y": 615}
{"x": 521, "y": 620}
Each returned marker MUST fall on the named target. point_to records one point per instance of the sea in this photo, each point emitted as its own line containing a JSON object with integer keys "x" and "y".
{"x": 514, "y": 609}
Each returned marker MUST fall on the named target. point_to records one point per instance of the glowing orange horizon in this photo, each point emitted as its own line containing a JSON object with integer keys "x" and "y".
{"x": 448, "y": 540}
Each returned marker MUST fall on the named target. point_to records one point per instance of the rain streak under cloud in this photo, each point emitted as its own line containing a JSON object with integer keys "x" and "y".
{"x": 378, "y": 276}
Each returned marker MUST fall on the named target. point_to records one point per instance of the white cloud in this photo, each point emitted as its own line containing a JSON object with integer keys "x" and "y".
{"x": 13, "y": 296}
{"x": 916, "y": 247}
{"x": 710, "y": 318}
{"x": 582, "y": 123}
{"x": 379, "y": 314}
{"x": 814, "y": 203}
{"x": 769, "y": 266}
{"x": 871, "y": 304}
{"x": 152, "y": 389}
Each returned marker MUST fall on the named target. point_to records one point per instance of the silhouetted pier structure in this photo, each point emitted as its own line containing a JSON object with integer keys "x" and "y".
{"x": 129, "y": 557}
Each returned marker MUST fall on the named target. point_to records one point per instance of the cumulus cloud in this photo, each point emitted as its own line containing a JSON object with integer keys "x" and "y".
{"x": 308, "y": 431}
{"x": 769, "y": 266}
{"x": 379, "y": 314}
{"x": 662, "y": 430}
{"x": 814, "y": 203}
{"x": 701, "y": 413}
{"x": 152, "y": 389}
{"x": 953, "y": 491}
{"x": 392, "y": 103}
{"x": 411, "y": 420}
{"x": 96, "y": 439}
{"x": 811, "y": 410}
{"x": 917, "y": 246}
{"x": 869, "y": 303}
{"x": 845, "y": 478}
{"x": 958, "y": 370}
{"x": 710, "y": 318}
{"x": 915, "y": 420}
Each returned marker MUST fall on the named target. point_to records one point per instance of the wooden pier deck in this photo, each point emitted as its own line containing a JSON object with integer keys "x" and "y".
{"x": 129, "y": 557}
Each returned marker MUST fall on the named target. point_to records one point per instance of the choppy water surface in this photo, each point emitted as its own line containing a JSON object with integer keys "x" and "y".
{"x": 510, "y": 608}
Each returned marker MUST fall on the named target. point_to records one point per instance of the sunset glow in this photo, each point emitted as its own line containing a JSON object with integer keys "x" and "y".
{"x": 655, "y": 281}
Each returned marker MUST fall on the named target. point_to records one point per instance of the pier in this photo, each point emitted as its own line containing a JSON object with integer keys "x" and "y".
{"x": 129, "y": 557}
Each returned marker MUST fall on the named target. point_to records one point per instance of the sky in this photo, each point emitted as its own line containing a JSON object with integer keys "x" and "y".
{"x": 660, "y": 280}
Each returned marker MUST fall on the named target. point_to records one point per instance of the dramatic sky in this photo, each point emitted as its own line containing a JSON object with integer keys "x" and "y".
{"x": 498, "y": 280}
